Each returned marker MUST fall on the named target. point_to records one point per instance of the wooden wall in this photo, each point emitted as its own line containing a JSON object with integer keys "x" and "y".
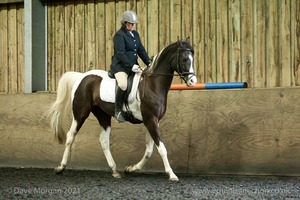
{"x": 243, "y": 131}
{"x": 12, "y": 48}
{"x": 254, "y": 41}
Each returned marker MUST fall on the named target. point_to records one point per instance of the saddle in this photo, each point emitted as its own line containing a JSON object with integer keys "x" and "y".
{"x": 108, "y": 93}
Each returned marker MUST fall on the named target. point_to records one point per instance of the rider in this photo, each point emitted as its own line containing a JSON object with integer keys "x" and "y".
{"x": 127, "y": 48}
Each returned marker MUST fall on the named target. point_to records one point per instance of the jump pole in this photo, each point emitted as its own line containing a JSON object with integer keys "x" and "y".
{"x": 207, "y": 86}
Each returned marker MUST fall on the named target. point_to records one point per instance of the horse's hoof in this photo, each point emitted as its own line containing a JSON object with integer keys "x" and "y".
{"x": 116, "y": 175}
{"x": 59, "y": 170}
{"x": 128, "y": 169}
{"x": 174, "y": 178}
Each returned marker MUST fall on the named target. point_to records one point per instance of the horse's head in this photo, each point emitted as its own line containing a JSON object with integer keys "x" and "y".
{"x": 185, "y": 67}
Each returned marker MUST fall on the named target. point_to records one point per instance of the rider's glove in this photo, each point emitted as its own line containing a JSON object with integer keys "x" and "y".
{"x": 136, "y": 69}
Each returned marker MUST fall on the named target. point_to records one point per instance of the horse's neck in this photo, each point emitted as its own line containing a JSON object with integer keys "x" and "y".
{"x": 161, "y": 73}
{"x": 160, "y": 80}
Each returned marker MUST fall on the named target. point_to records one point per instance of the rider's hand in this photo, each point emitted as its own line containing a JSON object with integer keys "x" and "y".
{"x": 136, "y": 69}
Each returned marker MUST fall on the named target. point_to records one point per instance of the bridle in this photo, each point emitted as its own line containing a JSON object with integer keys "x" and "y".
{"x": 179, "y": 68}
{"x": 183, "y": 75}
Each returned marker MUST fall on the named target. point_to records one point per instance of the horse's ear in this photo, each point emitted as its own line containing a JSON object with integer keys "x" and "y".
{"x": 188, "y": 39}
{"x": 179, "y": 42}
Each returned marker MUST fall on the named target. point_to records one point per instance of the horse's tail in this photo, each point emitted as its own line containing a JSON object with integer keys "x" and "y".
{"x": 62, "y": 107}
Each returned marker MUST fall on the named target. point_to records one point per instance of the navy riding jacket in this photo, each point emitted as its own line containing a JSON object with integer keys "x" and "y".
{"x": 127, "y": 49}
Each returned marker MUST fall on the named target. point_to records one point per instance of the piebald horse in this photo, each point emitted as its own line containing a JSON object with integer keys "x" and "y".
{"x": 78, "y": 94}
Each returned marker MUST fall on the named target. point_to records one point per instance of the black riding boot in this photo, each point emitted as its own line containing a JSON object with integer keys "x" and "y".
{"x": 119, "y": 104}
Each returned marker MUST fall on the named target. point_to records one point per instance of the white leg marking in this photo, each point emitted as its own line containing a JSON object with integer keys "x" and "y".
{"x": 147, "y": 155}
{"x": 104, "y": 141}
{"x": 163, "y": 153}
{"x": 69, "y": 141}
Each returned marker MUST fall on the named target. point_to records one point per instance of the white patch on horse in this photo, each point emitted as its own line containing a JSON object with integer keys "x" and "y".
{"x": 192, "y": 77}
{"x": 99, "y": 72}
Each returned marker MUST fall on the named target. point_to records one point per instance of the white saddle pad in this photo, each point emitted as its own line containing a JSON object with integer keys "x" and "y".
{"x": 108, "y": 91}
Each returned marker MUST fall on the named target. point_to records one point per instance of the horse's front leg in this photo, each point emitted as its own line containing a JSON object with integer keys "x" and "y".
{"x": 104, "y": 140}
{"x": 153, "y": 128}
{"x": 147, "y": 155}
{"x": 163, "y": 153}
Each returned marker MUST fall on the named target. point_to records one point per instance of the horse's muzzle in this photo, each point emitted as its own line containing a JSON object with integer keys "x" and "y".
{"x": 191, "y": 80}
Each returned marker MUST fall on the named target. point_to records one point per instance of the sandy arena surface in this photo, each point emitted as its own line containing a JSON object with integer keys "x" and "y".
{"x": 32, "y": 183}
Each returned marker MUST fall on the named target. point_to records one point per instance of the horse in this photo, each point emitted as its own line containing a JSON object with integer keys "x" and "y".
{"x": 78, "y": 94}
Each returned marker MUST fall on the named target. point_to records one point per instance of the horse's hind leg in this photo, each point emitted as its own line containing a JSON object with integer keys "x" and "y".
{"x": 105, "y": 123}
{"x": 104, "y": 141}
{"x": 147, "y": 155}
{"x": 69, "y": 141}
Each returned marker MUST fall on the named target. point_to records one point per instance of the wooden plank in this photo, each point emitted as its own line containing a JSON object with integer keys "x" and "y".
{"x": 20, "y": 47}
{"x": 79, "y": 37}
{"x": 187, "y": 19}
{"x": 210, "y": 41}
{"x": 293, "y": 40}
{"x": 234, "y": 34}
{"x": 164, "y": 24}
{"x": 272, "y": 45}
{"x": 153, "y": 32}
{"x": 259, "y": 48}
{"x": 120, "y": 8}
{"x": 222, "y": 41}
{"x": 12, "y": 49}
{"x": 284, "y": 61}
{"x": 90, "y": 59}
{"x": 60, "y": 41}
{"x": 131, "y": 5}
{"x": 4, "y": 49}
{"x": 297, "y": 48}
{"x": 198, "y": 39}
{"x": 175, "y": 20}
{"x": 100, "y": 37}
{"x": 51, "y": 78}
{"x": 142, "y": 26}
{"x": 247, "y": 23}
{"x": 69, "y": 27}
{"x": 110, "y": 19}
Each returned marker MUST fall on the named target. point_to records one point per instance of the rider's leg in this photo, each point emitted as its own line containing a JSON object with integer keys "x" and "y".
{"x": 121, "y": 78}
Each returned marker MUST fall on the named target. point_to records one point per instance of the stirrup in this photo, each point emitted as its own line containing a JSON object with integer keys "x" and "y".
{"x": 119, "y": 116}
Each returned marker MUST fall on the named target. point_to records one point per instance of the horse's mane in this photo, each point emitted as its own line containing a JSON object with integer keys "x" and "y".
{"x": 165, "y": 51}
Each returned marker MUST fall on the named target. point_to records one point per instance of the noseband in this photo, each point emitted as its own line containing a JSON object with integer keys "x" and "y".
{"x": 183, "y": 75}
